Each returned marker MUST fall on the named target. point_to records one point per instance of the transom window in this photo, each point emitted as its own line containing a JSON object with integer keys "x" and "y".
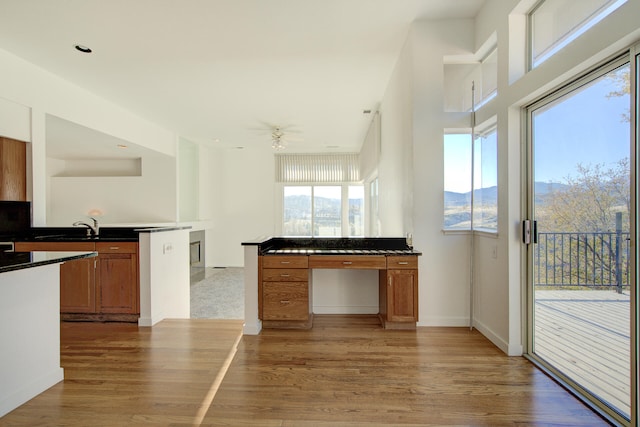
{"x": 555, "y": 24}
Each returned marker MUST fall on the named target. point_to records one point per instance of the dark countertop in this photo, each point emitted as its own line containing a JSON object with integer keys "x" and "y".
{"x": 74, "y": 234}
{"x": 333, "y": 246}
{"x": 79, "y": 234}
{"x": 11, "y": 261}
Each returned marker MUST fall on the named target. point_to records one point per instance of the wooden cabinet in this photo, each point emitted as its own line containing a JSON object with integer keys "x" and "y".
{"x": 13, "y": 162}
{"x": 102, "y": 288}
{"x": 284, "y": 287}
{"x": 398, "y": 293}
{"x": 285, "y": 292}
{"x": 117, "y": 278}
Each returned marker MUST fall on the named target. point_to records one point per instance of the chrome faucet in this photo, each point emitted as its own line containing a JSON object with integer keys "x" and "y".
{"x": 92, "y": 230}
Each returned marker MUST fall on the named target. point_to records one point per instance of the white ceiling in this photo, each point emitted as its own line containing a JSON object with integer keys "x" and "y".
{"x": 220, "y": 71}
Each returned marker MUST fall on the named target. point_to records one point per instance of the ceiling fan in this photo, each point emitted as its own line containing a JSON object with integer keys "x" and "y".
{"x": 277, "y": 142}
{"x": 280, "y": 135}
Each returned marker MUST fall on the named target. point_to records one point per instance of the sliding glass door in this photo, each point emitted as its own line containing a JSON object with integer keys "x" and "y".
{"x": 580, "y": 280}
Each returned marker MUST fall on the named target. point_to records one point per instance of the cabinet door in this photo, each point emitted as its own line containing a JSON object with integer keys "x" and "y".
{"x": 285, "y": 301}
{"x": 116, "y": 283}
{"x": 13, "y": 161}
{"x": 77, "y": 289}
{"x": 402, "y": 295}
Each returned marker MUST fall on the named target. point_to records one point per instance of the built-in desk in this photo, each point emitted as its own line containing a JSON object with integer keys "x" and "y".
{"x": 284, "y": 282}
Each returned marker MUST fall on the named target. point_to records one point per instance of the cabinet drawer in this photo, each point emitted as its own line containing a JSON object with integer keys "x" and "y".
{"x": 285, "y": 301}
{"x": 117, "y": 247}
{"x": 55, "y": 246}
{"x": 277, "y": 261}
{"x": 371, "y": 262}
{"x": 285, "y": 274}
{"x": 401, "y": 262}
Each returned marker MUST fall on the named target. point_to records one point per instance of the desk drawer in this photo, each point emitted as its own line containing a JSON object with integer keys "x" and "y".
{"x": 285, "y": 274}
{"x": 277, "y": 261}
{"x": 285, "y": 301}
{"x": 370, "y": 262}
{"x": 402, "y": 262}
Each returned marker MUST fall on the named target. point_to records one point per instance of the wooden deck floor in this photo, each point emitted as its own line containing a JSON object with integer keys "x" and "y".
{"x": 586, "y": 334}
{"x": 346, "y": 371}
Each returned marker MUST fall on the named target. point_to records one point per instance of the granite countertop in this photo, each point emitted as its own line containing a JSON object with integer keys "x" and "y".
{"x": 79, "y": 234}
{"x": 11, "y": 261}
{"x": 333, "y": 246}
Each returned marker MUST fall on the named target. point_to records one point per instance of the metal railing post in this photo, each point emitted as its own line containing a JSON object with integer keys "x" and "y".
{"x": 618, "y": 260}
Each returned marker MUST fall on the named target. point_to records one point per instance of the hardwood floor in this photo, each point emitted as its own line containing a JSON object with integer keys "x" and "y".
{"x": 346, "y": 371}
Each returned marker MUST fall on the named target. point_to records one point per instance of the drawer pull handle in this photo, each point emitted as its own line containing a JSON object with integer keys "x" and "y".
{"x": 285, "y": 262}
{"x": 347, "y": 262}
{"x": 403, "y": 263}
{"x": 285, "y": 301}
{"x": 284, "y": 275}
{"x": 113, "y": 248}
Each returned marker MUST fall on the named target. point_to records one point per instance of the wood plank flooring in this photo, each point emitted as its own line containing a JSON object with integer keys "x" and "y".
{"x": 346, "y": 371}
{"x": 122, "y": 375}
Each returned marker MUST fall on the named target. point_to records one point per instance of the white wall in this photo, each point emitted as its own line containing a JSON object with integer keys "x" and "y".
{"x": 244, "y": 202}
{"x": 164, "y": 276}
{"x": 30, "y": 334}
{"x": 24, "y": 86}
{"x": 148, "y": 198}
{"x": 395, "y": 183}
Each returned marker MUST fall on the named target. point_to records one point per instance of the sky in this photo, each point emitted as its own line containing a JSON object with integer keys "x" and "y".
{"x": 584, "y": 127}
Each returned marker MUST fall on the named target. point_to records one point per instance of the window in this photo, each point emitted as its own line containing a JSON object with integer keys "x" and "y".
{"x": 464, "y": 158}
{"x": 555, "y": 24}
{"x": 322, "y": 199}
{"x": 327, "y": 211}
{"x": 356, "y": 210}
{"x": 317, "y": 210}
{"x": 297, "y": 211}
{"x": 460, "y": 78}
{"x": 457, "y": 181}
{"x": 485, "y": 189}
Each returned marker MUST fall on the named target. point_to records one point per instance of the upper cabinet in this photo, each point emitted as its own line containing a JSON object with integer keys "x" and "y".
{"x": 13, "y": 160}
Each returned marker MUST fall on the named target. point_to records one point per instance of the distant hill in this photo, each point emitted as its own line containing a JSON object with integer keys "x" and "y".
{"x": 489, "y": 195}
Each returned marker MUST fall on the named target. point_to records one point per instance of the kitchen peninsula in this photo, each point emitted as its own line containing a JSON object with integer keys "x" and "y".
{"x": 141, "y": 273}
{"x": 278, "y": 278}
{"x": 30, "y": 323}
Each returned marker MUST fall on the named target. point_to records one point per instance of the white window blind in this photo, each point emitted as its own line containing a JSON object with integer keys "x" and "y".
{"x": 342, "y": 167}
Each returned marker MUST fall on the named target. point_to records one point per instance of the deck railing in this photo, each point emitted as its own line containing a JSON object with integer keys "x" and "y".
{"x": 593, "y": 260}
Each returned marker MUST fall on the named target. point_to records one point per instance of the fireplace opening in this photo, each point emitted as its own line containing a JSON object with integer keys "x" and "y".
{"x": 196, "y": 248}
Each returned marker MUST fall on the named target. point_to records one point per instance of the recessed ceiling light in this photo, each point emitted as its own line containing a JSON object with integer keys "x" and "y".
{"x": 122, "y": 146}
{"x": 83, "y": 49}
